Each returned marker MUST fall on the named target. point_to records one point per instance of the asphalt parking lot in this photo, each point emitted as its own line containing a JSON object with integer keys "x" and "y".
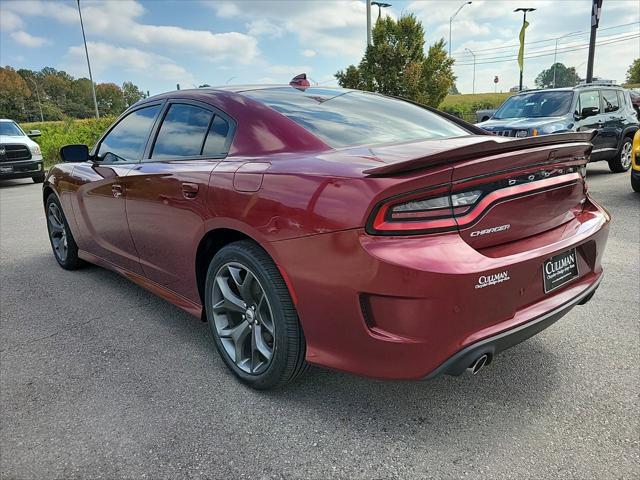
{"x": 100, "y": 379}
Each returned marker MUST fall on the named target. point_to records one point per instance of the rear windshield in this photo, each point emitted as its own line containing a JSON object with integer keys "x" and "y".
{"x": 345, "y": 119}
{"x": 536, "y": 104}
{"x": 10, "y": 129}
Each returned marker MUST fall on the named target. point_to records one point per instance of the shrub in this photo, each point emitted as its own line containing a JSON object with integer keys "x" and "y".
{"x": 65, "y": 132}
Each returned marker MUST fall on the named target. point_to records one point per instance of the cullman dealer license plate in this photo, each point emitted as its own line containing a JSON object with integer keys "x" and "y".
{"x": 559, "y": 270}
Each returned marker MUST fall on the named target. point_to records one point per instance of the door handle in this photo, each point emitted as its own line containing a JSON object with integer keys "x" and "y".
{"x": 189, "y": 190}
{"x": 116, "y": 189}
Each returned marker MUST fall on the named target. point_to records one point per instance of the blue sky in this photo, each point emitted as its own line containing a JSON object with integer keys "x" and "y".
{"x": 160, "y": 43}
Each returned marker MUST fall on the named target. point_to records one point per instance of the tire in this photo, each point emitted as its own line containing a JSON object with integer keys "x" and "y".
{"x": 622, "y": 161}
{"x": 62, "y": 242}
{"x": 635, "y": 183}
{"x": 38, "y": 178}
{"x": 252, "y": 318}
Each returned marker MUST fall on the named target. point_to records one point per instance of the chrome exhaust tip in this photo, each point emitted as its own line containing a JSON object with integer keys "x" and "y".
{"x": 478, "y": 364}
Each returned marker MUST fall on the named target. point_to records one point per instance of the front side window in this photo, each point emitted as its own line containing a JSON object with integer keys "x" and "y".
{"x": 536, "y": 105}
{"x": 589, "y": 100}
{"x": 344, "y": 118}
{"x": 610, "y": 100}
{"x": 126, "y": 141}
{"x": 182, "y": 132}
{"x": 10, "y": 129}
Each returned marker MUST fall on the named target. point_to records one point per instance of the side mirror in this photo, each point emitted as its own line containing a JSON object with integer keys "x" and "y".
{"x": 34, "y": 133}
{"x": 589, "y": 112}
{"x": 74, "y": 153}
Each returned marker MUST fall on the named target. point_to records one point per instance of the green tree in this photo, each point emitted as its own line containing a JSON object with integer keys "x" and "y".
{"x": 14, "y": 94}
{"x": 565, "y": 77}
{"x": 633, "y": 74}
{"x": 131, "y": 93}
{"x": 110, "y": 99}
{"x": 396, "y": 64}
{"x": 350, "y": 78}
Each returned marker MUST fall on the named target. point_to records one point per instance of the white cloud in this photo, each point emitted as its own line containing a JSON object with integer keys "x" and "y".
{"x": 105, "y": 57}
{"x": 26, "y": 40}
{"x": 9, "y": 21}
{"x": 263, "y": 27}
{"x": 116, "y": 21}
{"x": 309, "y": 53}
{"x": 336, "y": 28}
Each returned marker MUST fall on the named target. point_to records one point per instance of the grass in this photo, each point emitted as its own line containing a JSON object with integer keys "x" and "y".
{"x": 65, "y": 132}
{"x": 465, "y": 105}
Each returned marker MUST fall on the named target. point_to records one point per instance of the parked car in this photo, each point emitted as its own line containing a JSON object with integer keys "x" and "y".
{"x": 484, "y": 115}
{"x": 20, "y": 157}
{"x": 334, "y": 227}
{"x": 635, "y": 163}
{"x": 606, "y": 109}
{"x": 635, "y": 101}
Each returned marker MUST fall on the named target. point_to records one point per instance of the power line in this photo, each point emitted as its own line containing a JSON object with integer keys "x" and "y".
{"x": 551, "y": 50}
{"x": 514, "y": 57}
{"x": 462, "y": 52}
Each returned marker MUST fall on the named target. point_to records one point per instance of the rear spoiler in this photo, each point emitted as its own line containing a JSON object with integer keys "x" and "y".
{"x": 486, "y": 148}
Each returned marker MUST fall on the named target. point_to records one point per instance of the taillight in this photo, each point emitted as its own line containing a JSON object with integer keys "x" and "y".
{"x": 440, "y": 210}
{"x": 422, "y": 213}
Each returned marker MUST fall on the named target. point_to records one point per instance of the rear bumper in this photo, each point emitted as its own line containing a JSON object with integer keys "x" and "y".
{"x": 402, "y": 307}
{"x": 458, "y": 363}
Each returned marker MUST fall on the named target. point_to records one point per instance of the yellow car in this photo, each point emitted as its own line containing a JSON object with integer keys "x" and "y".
{"x": 635, "y": 163}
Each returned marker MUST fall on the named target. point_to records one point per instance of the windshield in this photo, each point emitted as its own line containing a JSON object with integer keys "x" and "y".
{"x": 349, "y": 118}
{"x": 10, "y": 129}
{"x": 535, "y": 105}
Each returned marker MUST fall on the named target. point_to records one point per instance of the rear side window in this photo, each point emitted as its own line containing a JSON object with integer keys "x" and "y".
{"x": 589, "y": 99}
{"x": 610, "y": 100}
{"x": 216, "y": 142}
{"x": 182, "y": 132}
{"x": 344, "y": 118}
{"x": 621, "y": 99}
{"x": 126, "y": 141}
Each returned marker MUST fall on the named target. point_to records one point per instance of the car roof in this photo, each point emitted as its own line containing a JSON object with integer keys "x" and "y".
{"x": 7, "y": 120}
{"x": 577, "y": 88}
{"x": 241, "y": 89}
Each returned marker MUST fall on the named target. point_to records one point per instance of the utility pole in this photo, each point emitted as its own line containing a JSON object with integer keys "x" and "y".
{"x": 522, "y": 34}
{"x": 451, "y": 21}
{"x": 596, "y": 8}
{"x": 368, "y": 23}
{"x": 38, "y": 96}
{"x": 474, "y": 69}
{"x": 86, "y": 51}
{"x": 555, "y": 55}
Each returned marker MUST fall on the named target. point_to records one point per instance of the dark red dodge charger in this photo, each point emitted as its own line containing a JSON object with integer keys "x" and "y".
{"x": 334, "y": 227}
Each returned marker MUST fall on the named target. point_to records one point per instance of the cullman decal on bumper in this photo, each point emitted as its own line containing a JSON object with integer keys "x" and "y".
{"x": 488, "y": 280}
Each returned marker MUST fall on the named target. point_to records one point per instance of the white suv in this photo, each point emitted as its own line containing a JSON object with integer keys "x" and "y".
{"x": 20, "y": 157}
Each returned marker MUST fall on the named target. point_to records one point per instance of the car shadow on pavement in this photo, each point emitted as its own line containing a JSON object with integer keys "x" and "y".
{"x": 15, "y": 183}
{"x": 515, "y": 386}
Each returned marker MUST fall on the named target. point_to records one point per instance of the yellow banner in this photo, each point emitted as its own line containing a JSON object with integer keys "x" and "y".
{"x": 521, "y": 52}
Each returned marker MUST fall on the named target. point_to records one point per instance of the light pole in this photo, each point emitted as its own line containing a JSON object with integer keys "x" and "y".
{"x": 451, "y": 21}
{"x": 474, "y": 69}
{"x": 380, "y": 6}
{"x": 368, "y": 23}
{"x": 38, "y": 96}
{"x": 86, "y": 51}
{"x": 596, "y": 10}
{"x": 555, "y": 54}
{"x": 521, "y": 52}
